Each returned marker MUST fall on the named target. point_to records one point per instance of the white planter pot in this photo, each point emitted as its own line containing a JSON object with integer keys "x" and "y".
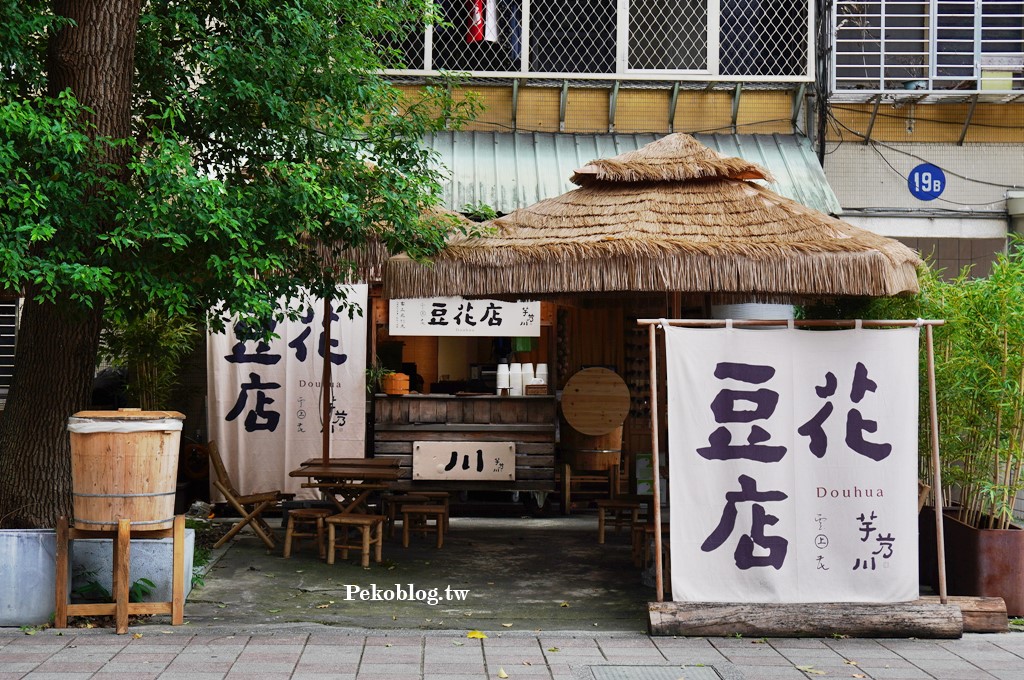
{"x": 93, "y": 559}
{"x": 27, "y": 576}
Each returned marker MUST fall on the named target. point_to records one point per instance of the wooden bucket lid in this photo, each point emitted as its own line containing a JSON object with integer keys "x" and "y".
{"x": 595, "y": 401}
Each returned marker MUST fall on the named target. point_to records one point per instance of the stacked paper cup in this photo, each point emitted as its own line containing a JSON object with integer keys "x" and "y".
{"x": 527, "y": 374}
{"x": 502, "y": 378}
{"x": 515, "y": 379}
{"x": 542, "y": 373}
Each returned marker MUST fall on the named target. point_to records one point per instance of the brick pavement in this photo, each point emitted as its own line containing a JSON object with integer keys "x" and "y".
{"x": 324, "y": 653}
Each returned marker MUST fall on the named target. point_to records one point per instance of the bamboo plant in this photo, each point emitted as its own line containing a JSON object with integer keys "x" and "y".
{"x": 979, "y": 367}
{"x": 979, "y": 373}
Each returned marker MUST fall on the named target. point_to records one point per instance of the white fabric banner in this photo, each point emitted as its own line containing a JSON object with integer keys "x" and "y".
{"x": 265, "y": 398}
{"x": 793, "y": 464}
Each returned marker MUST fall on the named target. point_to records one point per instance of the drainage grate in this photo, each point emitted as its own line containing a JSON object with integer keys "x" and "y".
{"x": 655, "y": 673}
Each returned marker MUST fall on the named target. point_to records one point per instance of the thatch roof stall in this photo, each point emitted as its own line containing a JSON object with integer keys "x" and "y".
{"x": 671, "y": 216}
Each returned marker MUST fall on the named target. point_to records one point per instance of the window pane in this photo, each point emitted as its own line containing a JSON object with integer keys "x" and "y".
{"x": 668, "y": 34}
{"x": 572, "y": 36}
{"x": 763, "y": 37}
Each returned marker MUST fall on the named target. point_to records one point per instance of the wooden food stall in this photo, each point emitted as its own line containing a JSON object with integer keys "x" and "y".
{"x": 458, "y": 430}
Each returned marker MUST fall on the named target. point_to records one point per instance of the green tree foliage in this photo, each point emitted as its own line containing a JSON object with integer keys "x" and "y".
{"x": 261, "y": 140}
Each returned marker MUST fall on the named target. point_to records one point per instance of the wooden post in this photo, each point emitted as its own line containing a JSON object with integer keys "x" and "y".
{"x": 325, "y": 386}
{"x": 178, "y": 573}
{"x": 60, "y": 617}
{"x": 122, "y": 574}
{"x": 659, "y": 583}
{"x": 933, "y": 420}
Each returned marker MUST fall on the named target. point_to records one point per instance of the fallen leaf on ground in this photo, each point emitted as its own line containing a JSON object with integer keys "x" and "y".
{"x": 273, "y": 611}
{"x": 136, "y": 635}
{"x": 506, "y": 625}
{"x": 564, "y": 604}
{"x": 858, "y": 675}
{"x": 552, "y": 649}
{"x": 476, "y": 635}
{"x": 502, "y": 673}
{"x": 810, "y": 669}
{"x": 322, "y": 606}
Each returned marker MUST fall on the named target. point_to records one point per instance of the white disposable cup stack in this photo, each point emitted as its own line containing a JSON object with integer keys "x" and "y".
{"x": 515, "y": 379}
{"x": 503, "y": 377}
{"x": 528, "y": 373}
{"x": 542, "y": 372}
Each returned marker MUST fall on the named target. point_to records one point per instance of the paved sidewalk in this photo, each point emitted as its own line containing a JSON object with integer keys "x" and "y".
{"x": 299, "y": 652}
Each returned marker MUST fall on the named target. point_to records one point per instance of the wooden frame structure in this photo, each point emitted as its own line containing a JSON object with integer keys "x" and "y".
{"x": 654, "y": 324}
{"x": 120, "y": 608}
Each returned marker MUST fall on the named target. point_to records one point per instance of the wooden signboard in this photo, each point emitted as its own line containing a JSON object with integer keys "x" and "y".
{"x": 477, "y": 461}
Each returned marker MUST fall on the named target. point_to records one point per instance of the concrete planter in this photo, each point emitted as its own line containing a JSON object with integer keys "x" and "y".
{"x": 92, "y": 559}
{"x": 27, "y": 576}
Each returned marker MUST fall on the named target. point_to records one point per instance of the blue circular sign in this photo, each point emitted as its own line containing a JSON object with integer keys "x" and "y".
{"x": 926, "y": 182}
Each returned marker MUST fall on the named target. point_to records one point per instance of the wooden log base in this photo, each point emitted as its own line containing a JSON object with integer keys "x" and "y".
{"x": 981, "y": 614}
{"x": 849, "y": 619}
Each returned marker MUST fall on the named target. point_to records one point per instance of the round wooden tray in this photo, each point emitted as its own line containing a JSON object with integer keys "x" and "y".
{"x": 595, "y": 401}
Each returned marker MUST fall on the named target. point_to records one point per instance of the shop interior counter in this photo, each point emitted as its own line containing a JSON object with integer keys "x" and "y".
{"x": 528, "y": 422}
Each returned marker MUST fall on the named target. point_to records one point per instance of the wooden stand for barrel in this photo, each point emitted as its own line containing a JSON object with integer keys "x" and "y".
{"x": 595, "y": 402}
{"x": 590, "y": 465}
{"x": 120, "y": 608}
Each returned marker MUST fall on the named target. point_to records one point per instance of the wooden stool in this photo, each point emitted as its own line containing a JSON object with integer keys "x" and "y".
{"x": 311, "y": 518}
{"x": 439, "y": 498}
{"x": 643, "y": 534}
{"x": 371, "y": 532}
{"x": 618, "y": 509}
{"x": 392, "y": 504}
{"x": 420, "y": 514}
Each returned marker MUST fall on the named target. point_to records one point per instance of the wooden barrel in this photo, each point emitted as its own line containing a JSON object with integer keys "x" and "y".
{"x": 124, "y": 466}
{"x": 592, "y": 452}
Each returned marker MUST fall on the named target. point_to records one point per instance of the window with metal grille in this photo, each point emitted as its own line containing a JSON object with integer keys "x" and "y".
{"x": 928, "y": 45}
{"x": 684, "y": 39}
{"x": 8, "y": 333}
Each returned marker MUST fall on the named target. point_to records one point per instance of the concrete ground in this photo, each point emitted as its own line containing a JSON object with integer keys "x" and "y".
{"x": 551, "y": 602}
{"x": 527, "y": 573}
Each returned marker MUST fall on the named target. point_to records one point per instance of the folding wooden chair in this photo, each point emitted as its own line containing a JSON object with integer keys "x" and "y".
{"x": 249, "y": 506}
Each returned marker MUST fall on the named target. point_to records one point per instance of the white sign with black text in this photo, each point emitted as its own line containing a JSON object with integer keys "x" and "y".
{"x": 454, "y": 316}
{"x": 477, "y": 461}
{"x": 793, "y": 464}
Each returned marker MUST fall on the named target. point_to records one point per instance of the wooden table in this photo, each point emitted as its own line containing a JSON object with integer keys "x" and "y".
{"x": 347, "y": 482}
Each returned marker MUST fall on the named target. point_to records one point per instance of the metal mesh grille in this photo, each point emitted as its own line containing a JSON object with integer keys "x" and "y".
{"x": 762, "y": 37}
{"x": 923, "y": 45}
{"x": 669, "y": 35}
{"x": 755, "y": 38}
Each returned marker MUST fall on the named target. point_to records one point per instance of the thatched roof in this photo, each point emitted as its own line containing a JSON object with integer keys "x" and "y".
{"x": 672, "y": 158}
{"x": 651, "y": 221}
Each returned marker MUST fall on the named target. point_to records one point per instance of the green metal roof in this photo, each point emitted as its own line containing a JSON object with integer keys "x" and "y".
{"x": 510, "y": 170}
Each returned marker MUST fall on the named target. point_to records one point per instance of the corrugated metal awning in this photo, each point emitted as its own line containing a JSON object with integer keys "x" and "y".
{"x": 510, "y": 170}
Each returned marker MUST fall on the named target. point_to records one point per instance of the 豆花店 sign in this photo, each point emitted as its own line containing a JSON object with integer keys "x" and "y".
{"x": 793, "y": 464}
{"x": 453, "y": 316}
{"x": 483, "y": 461}
{"x": 266, "y": 398}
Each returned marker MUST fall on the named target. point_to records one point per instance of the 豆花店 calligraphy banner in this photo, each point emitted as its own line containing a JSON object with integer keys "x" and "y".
{"x": 455, "y": 316}
{"x": 265, "y": 398}
{"x": 793, "y": 464}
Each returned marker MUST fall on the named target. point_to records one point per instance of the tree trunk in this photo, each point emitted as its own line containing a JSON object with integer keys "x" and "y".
{"x": 54, "y": 367}
{"x": 57, "y": 343}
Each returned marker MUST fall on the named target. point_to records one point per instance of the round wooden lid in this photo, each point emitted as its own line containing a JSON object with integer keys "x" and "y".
{"x": 595, "y": 401}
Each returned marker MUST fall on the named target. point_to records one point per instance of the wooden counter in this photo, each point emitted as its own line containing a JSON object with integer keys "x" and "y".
{"x": 527, "y": 421}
